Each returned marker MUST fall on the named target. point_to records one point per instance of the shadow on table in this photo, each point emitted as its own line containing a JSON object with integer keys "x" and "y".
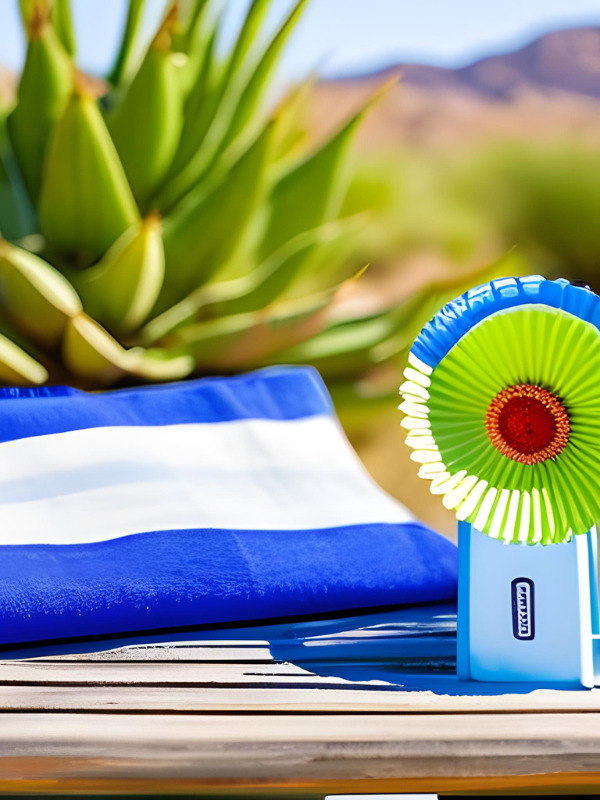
{"x": 408, "y": 649}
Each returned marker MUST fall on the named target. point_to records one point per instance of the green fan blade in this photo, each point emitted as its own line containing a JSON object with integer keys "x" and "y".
{"x": 534, "y": 502}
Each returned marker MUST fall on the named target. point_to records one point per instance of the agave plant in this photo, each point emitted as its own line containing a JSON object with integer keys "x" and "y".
{"x": 161, "y": 221}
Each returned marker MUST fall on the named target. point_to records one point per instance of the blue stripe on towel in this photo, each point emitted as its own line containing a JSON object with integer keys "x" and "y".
{"x": 280, "y": 393}
{"x": 166, "y": 579}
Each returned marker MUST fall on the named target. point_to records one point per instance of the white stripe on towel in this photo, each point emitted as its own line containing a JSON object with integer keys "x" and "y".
{"x": 96, "y": 484}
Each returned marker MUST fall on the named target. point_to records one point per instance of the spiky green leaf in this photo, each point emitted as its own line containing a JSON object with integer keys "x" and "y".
{"x": 205, "y": 229}
{"x": 43, "y": 93}
{"x": 91, "y": 353}
{"x": 85, "y": 200}
{"x": 310, "y": 193}
{"x": 146, "y": 124}
{"x": 35, "y": 295}
{"x": 17, "y": 215}
{"x": 120, "y": 290}
{"x": 200, "y": 104}
{"x": 233, "y": 114}
{"x": 122, "y": 66}
{"x": 254, "y": 91}
{"x": 239, "y": 295}
{"x": 245, "y": 341}
{"x": 17, "y": 367}
{"x": 62, "y": 21}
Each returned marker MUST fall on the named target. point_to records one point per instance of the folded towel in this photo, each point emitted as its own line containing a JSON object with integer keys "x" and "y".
{"x": 207, "y": 502}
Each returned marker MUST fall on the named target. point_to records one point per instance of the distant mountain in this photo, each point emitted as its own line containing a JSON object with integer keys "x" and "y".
{"x": 566, "y": 60}
{"x": 548, "y": 90}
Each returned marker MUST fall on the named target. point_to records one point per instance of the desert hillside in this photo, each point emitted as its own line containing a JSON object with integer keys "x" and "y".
{"x": 546, "y": 91}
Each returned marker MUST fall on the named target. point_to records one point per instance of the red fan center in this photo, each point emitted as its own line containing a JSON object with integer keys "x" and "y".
{"x": 527, "y": 423}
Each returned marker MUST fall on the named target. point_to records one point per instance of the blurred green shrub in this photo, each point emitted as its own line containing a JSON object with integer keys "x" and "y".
{"x": 418, "y": 202}
{"x": 546, "y": 199}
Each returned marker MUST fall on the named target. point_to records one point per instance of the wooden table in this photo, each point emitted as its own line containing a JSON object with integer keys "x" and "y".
{"x": 363, "y": 704}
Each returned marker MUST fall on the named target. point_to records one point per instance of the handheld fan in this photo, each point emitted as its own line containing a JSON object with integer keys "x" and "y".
{"x": 502, "y": 408}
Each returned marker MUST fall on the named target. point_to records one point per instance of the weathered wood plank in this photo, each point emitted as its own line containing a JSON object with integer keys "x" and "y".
{"x": 324, "y": 753}
{"x": 331, "y": 699}
{"x": 162, "y": 674}
{"x": 257, "y": 652}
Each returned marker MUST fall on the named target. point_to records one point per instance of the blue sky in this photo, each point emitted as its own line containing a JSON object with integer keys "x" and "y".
{"x": 346, "y": 36}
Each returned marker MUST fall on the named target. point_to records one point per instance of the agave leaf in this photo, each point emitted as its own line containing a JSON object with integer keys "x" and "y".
{"x": 248, "y": 340}
{"x": 26, "y": 7}
{"x": 56, "y": 11}
{"x": 349, "y": 345}
{"x": 242, "y": 294}
{"x": 205, "y": 229}
{"x": 305, "y": 198}
{"x": 200, "y": 105}
{"x": 17, "y": 367}
{"x": 11, "y": 225}
{"x": 62, "y": 20}
{"x": 198, "y": 42}
{"x": 254, "y": 90}
{"x": 191, "y": 37}
{"x": 43, "y": 93}
{"x": 122, "y": 66}
{"x": 278, "y": 271}
{"x": 20, "y": 362}
{"x": 38, "y": 298}
{"x": 290, "y": 130}
{"x": 246, "y": 39}
{"x": 252, "y": 339}
{"x": 17, "y": 216}
{"x": 236, "y": 66}
{"x": 146, "y": 124}
{"x": 32, "y": 11}
{"x": 188, "y": 25}
{"x": 311, "y": 192}
{"x": 233, "y": 115}
{"x": 90, "y": 352}
{"x": 85, "y": 200}
{"x": 122, "y": 287}
{"x": 345, "y": 346}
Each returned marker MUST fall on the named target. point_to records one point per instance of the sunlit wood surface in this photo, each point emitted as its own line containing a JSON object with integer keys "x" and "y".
{"x": 365, "y": 704}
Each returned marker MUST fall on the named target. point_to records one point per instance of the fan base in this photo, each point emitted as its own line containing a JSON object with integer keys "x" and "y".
{"x": 528, "y": 613}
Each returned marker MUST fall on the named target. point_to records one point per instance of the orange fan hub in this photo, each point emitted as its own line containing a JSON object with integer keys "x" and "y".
{"x": 528, "y": 424}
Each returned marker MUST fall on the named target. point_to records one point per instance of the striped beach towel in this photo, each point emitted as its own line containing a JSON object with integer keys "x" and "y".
{"x": 207, "y": 502}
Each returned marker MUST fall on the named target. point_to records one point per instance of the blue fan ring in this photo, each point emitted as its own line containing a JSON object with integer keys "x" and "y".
{"x": 457, "y": 318}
